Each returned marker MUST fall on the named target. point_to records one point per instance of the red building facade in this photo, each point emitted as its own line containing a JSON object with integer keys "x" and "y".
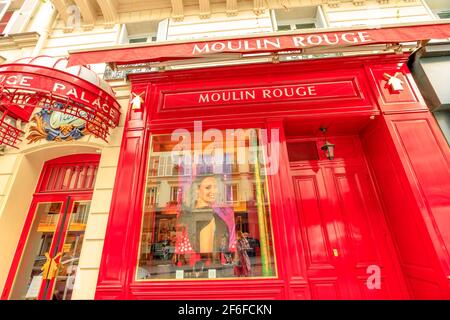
{"x": 378, "y": 208}
{"x": 290, "y": 178}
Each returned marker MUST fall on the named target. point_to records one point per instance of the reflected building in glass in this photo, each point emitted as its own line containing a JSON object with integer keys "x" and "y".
{"x": 216, "y": 197}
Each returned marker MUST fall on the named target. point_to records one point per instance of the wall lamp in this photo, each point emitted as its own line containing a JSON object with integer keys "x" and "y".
{"x": 327, "y": 147}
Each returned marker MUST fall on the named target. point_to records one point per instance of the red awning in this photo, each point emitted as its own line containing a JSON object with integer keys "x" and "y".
{"x": 9, "y": 134}
{"x": 48, "y": 83}
{"x": 269, "y": 43}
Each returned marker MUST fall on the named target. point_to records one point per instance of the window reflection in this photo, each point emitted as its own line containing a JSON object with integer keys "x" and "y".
{"x": 201, "y": 222}
{"x": 29, "y": 274}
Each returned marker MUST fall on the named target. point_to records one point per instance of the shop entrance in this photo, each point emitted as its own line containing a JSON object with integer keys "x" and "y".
{"x": 348, "y": 249}
{"x": 47, "y": 256}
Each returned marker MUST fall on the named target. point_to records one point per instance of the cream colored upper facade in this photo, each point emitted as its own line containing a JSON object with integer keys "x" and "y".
{"x": 57, "y": 27}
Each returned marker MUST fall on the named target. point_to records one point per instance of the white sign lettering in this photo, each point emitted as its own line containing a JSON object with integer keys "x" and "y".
{"x": 273, "y": 43}
{"x": 240, "y": 45}
{"x": 248, "y": 95}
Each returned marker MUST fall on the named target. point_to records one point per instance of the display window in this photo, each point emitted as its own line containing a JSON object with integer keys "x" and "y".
{"x": 206, "y": 212}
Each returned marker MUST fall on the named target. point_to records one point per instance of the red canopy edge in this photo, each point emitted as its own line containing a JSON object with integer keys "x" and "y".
{"x": 268, "y": 43}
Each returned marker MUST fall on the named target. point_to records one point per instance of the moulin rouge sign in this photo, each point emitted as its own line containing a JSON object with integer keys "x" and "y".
{"x": 277, "y": 43}
{"x": 270, "y": 43}
{"x": 294, "y": 92}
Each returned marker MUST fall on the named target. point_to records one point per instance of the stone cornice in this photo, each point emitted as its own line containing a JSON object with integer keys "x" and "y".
{"x": 19, "y": 40}
{"x": 117, "y": 11}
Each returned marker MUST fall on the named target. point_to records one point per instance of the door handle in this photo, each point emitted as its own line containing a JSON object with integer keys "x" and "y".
{"x": 335, "y": 252}
{"x": 50, "y": 267}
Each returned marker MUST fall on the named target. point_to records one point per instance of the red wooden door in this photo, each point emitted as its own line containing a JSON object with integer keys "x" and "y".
{"x": 346, "y": 242}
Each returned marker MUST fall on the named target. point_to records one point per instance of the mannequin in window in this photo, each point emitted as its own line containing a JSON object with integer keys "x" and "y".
{"x": 243, "y": 267}
{"x": 203, "y": 225}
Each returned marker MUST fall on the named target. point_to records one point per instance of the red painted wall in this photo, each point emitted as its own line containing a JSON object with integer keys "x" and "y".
{"x": 413, "y": 168}
{"x": 411, "y": 160}
{"x": 418, "y": 258}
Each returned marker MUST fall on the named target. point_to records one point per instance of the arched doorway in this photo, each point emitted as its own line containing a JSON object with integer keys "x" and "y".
{"x": 46, "y": 259}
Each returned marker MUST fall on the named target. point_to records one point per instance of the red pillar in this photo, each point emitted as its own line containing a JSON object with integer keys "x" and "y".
{"x": 116, "y": 269}
{"x": 410, "y": 160}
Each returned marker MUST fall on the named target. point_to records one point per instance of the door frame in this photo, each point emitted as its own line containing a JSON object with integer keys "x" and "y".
{"x": 67, "y": 200}
{"x": 45, "y": 196}
{"x": 60, "y": 239}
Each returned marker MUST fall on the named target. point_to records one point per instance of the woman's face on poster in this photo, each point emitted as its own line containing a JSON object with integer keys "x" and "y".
{"x": 207, "y": 191}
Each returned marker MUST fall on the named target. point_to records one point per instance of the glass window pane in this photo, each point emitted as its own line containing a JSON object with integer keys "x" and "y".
{"x": 284, "y": 27}
{"x": 138, "y": 40}
{"x": 305, "y": 26}
{"x": 444, "y": 14}
{"x": 206, "y": 211}
{"x": 28, "y": 278}
{"x": 71, "y": 251}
